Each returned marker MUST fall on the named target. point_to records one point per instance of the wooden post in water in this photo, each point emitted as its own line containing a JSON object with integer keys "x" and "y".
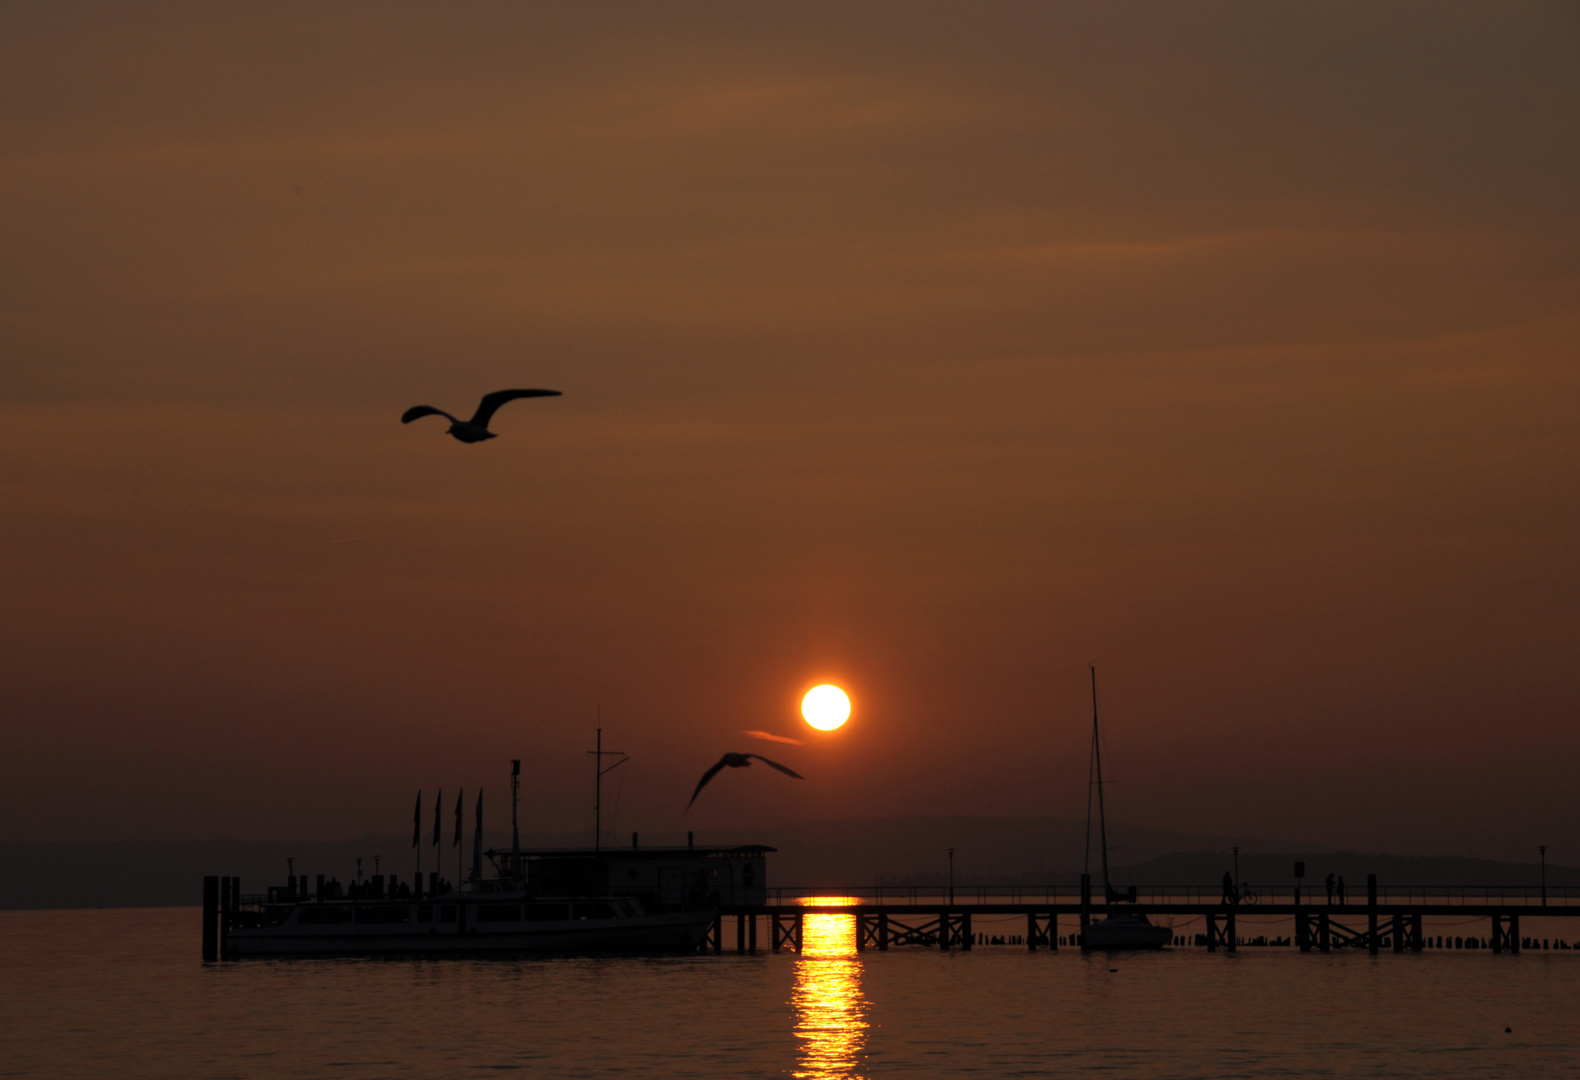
{"x": 751, "y": 934}
{"x": 1212, "y": 932}
{"x": 718, "y": 934}
{"x": 224, "y": 918}
{"x": 965, "y": 932}
{"x": 740, "y": 933}
{"x": 800, "y": 925}
{"x": 210, "y": 919}
{"x": 1371, "y": 914}
{"x": 1415, "y": 932}
{"x": 1230, "y": 933}
{"x": 1514, "y": 934}
{"x": 1303, "y": 932}
{"x": 1086, "y": 907}
{"x": 1397, "y": 933}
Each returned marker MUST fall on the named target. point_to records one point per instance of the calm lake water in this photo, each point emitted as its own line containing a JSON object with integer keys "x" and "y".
{"x": 121, "y": 993}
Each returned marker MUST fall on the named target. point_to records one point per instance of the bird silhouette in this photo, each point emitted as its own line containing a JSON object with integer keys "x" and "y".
{"x": 738, "y": 761}
{"x": 475, "y": 429}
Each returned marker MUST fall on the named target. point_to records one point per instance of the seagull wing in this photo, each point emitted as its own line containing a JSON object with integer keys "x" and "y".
{"x": 416, "y": 412}
{"x": 782, "y": 768}
{"x": 491, "y": 402}
{"x": 709, "y": 775}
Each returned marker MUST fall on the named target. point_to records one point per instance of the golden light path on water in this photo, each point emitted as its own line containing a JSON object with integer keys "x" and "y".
{"x": 830, "y": 1011}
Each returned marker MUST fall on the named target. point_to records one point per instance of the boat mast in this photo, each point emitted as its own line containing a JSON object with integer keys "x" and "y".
{"x": 1102, "y": 817}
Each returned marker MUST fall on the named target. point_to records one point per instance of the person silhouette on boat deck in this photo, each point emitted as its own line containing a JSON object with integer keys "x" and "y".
{"x": 1341, "y": 889}
{"x": 1231, "y": 895}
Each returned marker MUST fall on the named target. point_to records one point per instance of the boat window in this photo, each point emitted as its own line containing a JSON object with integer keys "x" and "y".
{"x": 326, "y": 915}
{"x": 547, "y": 912}
{"x": 383, "y": 913}
{"x": 498, "y": 913}
{"x": 425, "y": 913}
{"x": 595, "y": 911}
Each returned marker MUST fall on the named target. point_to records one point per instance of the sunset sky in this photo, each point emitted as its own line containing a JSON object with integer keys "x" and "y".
{"x": 934, "y": 350}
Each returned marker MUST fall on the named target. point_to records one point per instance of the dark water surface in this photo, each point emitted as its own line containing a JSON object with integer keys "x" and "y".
{"x": 121, "y": 993}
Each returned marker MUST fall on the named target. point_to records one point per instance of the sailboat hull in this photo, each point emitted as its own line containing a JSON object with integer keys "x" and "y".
{"x": 1130, "y": 931}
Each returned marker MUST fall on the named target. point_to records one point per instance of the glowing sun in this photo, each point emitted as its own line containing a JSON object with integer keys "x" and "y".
{"x": 825, "y": 707}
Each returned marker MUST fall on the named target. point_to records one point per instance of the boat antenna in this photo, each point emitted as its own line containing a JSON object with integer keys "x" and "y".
{"x": 515, "y": 829}
{"x": 1097, "y": 763}
{"x": 599, "y": 753}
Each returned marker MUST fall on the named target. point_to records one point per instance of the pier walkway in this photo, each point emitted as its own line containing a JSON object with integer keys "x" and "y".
{"x": 1389, "y": 918}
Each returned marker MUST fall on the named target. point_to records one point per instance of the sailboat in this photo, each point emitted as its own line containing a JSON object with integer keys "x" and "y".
{"x": 1117, "y": 929}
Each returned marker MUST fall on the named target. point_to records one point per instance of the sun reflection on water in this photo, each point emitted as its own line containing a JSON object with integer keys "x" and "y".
{"x": 830, "y": 1011}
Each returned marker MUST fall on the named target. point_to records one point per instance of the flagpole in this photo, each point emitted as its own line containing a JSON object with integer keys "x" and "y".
{"x": 438, "y": 805}
{"x": 416, "y": 837}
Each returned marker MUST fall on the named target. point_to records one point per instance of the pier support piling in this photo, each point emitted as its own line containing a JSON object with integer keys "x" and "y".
{"x": 210, "y": 919}
{"x": 1371, "y": 914}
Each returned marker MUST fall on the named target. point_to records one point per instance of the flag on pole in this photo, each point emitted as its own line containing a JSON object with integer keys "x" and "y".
{"x": 459, "y": 795}
{"x": 416, "y": 821}
{"x": 477, "y": 839}
{"x": 438, "y": 800}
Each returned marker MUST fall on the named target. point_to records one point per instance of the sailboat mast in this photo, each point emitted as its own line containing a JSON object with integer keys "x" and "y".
{"x": 1097, "y": 758}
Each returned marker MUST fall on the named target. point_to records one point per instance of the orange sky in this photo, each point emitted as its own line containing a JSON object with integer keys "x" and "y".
{"x": 936, "y": 350}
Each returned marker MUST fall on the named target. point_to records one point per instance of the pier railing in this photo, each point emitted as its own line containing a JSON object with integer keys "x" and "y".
{"x": 1253, "y": 895}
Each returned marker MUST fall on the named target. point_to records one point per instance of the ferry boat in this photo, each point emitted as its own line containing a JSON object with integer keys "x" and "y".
{"x": 641, "y": 900}
{"x": 466, "y": 924}
{"x": 597, "y": 900}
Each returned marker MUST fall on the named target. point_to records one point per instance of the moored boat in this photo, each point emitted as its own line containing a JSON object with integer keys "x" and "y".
{"x": 1119, "y": 929}
{"x": 465, "y": 924}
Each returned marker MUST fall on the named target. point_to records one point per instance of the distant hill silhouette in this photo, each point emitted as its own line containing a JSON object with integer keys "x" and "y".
{"x": 870, "y": 851}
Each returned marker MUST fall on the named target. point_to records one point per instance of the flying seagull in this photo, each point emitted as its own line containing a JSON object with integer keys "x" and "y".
{"x": 737, "y": 761}
{"x": 475, "y": 429}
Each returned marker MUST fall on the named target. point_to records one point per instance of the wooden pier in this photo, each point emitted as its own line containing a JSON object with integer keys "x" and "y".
{"x": 1386, "y": 919}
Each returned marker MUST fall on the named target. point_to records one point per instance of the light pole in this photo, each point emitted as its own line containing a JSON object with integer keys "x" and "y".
{"x": 951, "y": 877}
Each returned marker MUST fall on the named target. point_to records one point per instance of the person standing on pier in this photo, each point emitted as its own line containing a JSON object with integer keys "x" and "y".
{"x": 1341, "y": 890}
{"x": 1330, "y": 887}
{"x": 1231, "y": 895}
